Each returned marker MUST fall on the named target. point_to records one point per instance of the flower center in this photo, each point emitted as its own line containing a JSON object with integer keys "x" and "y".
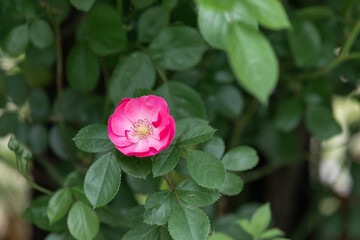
{"x": 142, "y": 128}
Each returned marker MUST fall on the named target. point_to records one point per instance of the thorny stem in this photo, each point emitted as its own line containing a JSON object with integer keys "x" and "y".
{"x": 169, "y": 182}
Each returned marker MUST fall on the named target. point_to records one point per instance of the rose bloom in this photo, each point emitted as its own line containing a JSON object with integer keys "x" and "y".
{"x": 142, "y": 126}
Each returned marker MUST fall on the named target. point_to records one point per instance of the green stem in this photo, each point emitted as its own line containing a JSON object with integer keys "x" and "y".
{"x": 161, "y": 73}
{"x": 350, "y": 41}
{"x": 331, "y": 66}
{"x": 23, "y": 172}
{"x": 266, "y": 170}
{"x": 59, "y": 68}
{"x": 106, "y": 76}
{"x": 37, "y": 187}
{"x": 169, "y": 182}
{"x": 241, "y": 122}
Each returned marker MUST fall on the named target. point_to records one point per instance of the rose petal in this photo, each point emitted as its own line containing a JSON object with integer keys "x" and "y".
{"x": 117, "y": 140}
{"x": 157, "y": 102}
{"x": 137, "y": 109}
{"x": 119, "y": 123}
{"x": 131, "y": 138}
{"x": 172, "y": 131}
{"x": 139, "y": 147}
{"x": 149, "y": 153}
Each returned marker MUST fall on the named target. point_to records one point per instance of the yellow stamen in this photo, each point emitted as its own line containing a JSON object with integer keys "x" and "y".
{"x": 142, "y": 129}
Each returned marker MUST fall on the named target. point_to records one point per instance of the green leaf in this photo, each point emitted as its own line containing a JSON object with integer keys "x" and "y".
{"x": 183, "y": 101}
{"x": 16, "y": 40}
{"x": 321, "y": 123}
{"x": 58, "y": 236}
{"x": 169, "y": 5}
{"x": 271, "y": 233}
{"x": 41, "y": 34}
{"x": 213, "y": 24}
{"x": 253, "y": 60}
{"x": 59, "y": 204}
{"x": 151, "y": 22}
{"x": 305, "y": 43}
{"x": 82, "y": 68}
{"x": 41, "y": 57}
{"x": 177, "y": 48}
{"x": 196, "y": 135}
{"x": 60, "y": 141}
{"x": 166, "y": 160}
{"x": 93, "y": 138}
{"x": 245, "y": 225}
{"x": 36, "y": 213}
{"x": 8, "y": 123}
{"x": 39, "y": 104}
{"x": 191, "y": 192}
{"x": 158, "y": 207}
{"x": 223, "y": 5}
{"x": 288, "y": 114}
{"x": 315, "y": 12}
{"x": 142, "y": 3}
{"x": 102, "y": 180}
{"x": 103, "y": 30}
{"x": 38, "y": 138}
{"x": 233, "y": 185}
{"x": 186, "y": 124}
{"x": 207, "y": 170}
{"x": 230, "y": 100}
{"x": 188, "y": 222}
{"x": 83, "y": 5}
{"x": 220, "y": 236}
{"x": 261, "y": 219}
{"x": 269, "y": 13}
{"x": 16, "y": 89}
{"x": 22, "y": 132}
{"x": 62, "y": 10}
{"x": 215, "y": 146}
{"x": 136, "y": 71}
{"x": 139, "y": 92}
{"x": 65, "y": 106}
{"x": 143, "y": 232}
{"x": 164, "y": 233}
{"x": 73, "y": 178}
{"x": 82, "y": 221}
{"x": 137, "y": 167}
{"x": 78, "y": 192}
{"x": 240, "y": 159}
{"x": 142, "y": 185}
{"x": 135, "y": 216}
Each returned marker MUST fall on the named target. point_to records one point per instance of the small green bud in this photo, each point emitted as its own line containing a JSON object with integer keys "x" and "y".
{"x": 27, "y": 155}
{"x": 13, "y": 144}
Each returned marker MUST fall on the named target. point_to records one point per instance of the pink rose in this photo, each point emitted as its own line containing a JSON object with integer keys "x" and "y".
{"x": 142, "y": 126}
